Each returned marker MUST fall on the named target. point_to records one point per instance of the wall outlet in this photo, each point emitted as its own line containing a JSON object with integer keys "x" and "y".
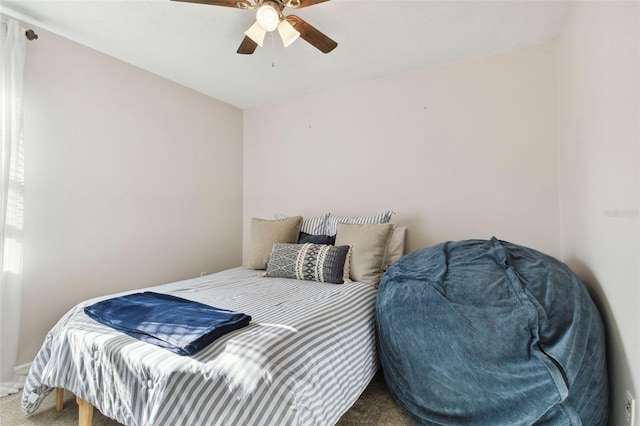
{"x": 203, "y": 273}
{"x": 629, "y": 409}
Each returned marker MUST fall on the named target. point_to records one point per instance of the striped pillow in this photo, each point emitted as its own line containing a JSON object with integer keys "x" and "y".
{"x": 332, "y": 221}
{"x": 310, "y": 225}
{"x": 312, "y": 262}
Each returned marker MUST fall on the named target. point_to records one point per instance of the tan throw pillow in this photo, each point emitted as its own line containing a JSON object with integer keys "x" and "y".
{"x": 265, "y": 233}
{"x": 369, "y": 243}
{"x": 395, "y": 248}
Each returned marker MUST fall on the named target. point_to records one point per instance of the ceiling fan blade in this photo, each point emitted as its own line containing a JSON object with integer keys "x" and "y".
{"x": 312, "y": 35}
{"x": 239, "y": 4}
{"x": 247, "y": 47}
{"x": 299, "y": 4}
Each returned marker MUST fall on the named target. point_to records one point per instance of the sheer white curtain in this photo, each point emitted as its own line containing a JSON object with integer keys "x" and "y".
{"x": 12, "y": 54}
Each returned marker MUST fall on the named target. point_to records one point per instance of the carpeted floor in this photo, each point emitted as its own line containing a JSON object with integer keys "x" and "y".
{"x": 375, "y": 407}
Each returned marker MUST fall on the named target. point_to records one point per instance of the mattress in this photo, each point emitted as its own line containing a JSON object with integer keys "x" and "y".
{"x": 305, "y": 358}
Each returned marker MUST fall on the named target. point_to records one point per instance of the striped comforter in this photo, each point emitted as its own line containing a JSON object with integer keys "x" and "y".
{"x": 305, "y": 358}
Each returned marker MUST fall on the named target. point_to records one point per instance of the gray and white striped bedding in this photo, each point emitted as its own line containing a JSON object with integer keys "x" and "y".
{"x": 306, "y": 357}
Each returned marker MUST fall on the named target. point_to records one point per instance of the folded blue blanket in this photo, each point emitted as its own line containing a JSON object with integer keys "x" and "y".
{"x": 179, "y": 325}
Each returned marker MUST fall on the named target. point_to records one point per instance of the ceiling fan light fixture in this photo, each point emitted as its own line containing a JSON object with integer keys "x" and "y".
{"x": 256, "y": 33}
{"x": 268, "y": 15}
{"x": 288, "y": 33}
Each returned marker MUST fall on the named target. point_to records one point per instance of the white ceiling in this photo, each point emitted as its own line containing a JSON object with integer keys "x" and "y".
{"x": 195, "y": 45}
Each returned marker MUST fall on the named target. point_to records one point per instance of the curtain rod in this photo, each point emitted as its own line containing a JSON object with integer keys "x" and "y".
{"x": 31, "y": 35}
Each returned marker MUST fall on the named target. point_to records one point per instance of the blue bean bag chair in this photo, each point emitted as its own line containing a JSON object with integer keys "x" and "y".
{"x": 483, "y": 332}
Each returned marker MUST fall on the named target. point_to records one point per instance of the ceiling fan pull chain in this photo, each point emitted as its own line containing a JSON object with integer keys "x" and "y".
{"x": 273, "y": 51}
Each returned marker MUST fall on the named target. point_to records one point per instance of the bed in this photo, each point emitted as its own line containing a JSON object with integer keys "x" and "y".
{"x": 309, "y": 351}
{"x": 305, "y": 358}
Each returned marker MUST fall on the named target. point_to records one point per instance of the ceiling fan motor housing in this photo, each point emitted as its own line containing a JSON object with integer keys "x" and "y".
{"x": 269, "y": 15}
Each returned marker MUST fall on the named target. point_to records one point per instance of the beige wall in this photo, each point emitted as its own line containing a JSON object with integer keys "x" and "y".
{"x": 598, "y": 122}
{"x": 466, "y": 150}
{"x": 132, "y": 181}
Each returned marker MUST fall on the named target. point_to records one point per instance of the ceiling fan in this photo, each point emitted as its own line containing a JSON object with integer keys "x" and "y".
{"x": 269, "y": 17}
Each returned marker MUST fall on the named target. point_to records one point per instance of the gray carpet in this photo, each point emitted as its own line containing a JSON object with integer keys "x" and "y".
{"x": 375, "y": 407}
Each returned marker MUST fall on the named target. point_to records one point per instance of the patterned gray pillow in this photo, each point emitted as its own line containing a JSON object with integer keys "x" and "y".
{"x": 312, "y": 262}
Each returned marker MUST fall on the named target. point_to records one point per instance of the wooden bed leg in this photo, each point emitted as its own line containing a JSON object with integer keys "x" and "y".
{"x": 85, "y": 412}
{"x": 59, "y": 399}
